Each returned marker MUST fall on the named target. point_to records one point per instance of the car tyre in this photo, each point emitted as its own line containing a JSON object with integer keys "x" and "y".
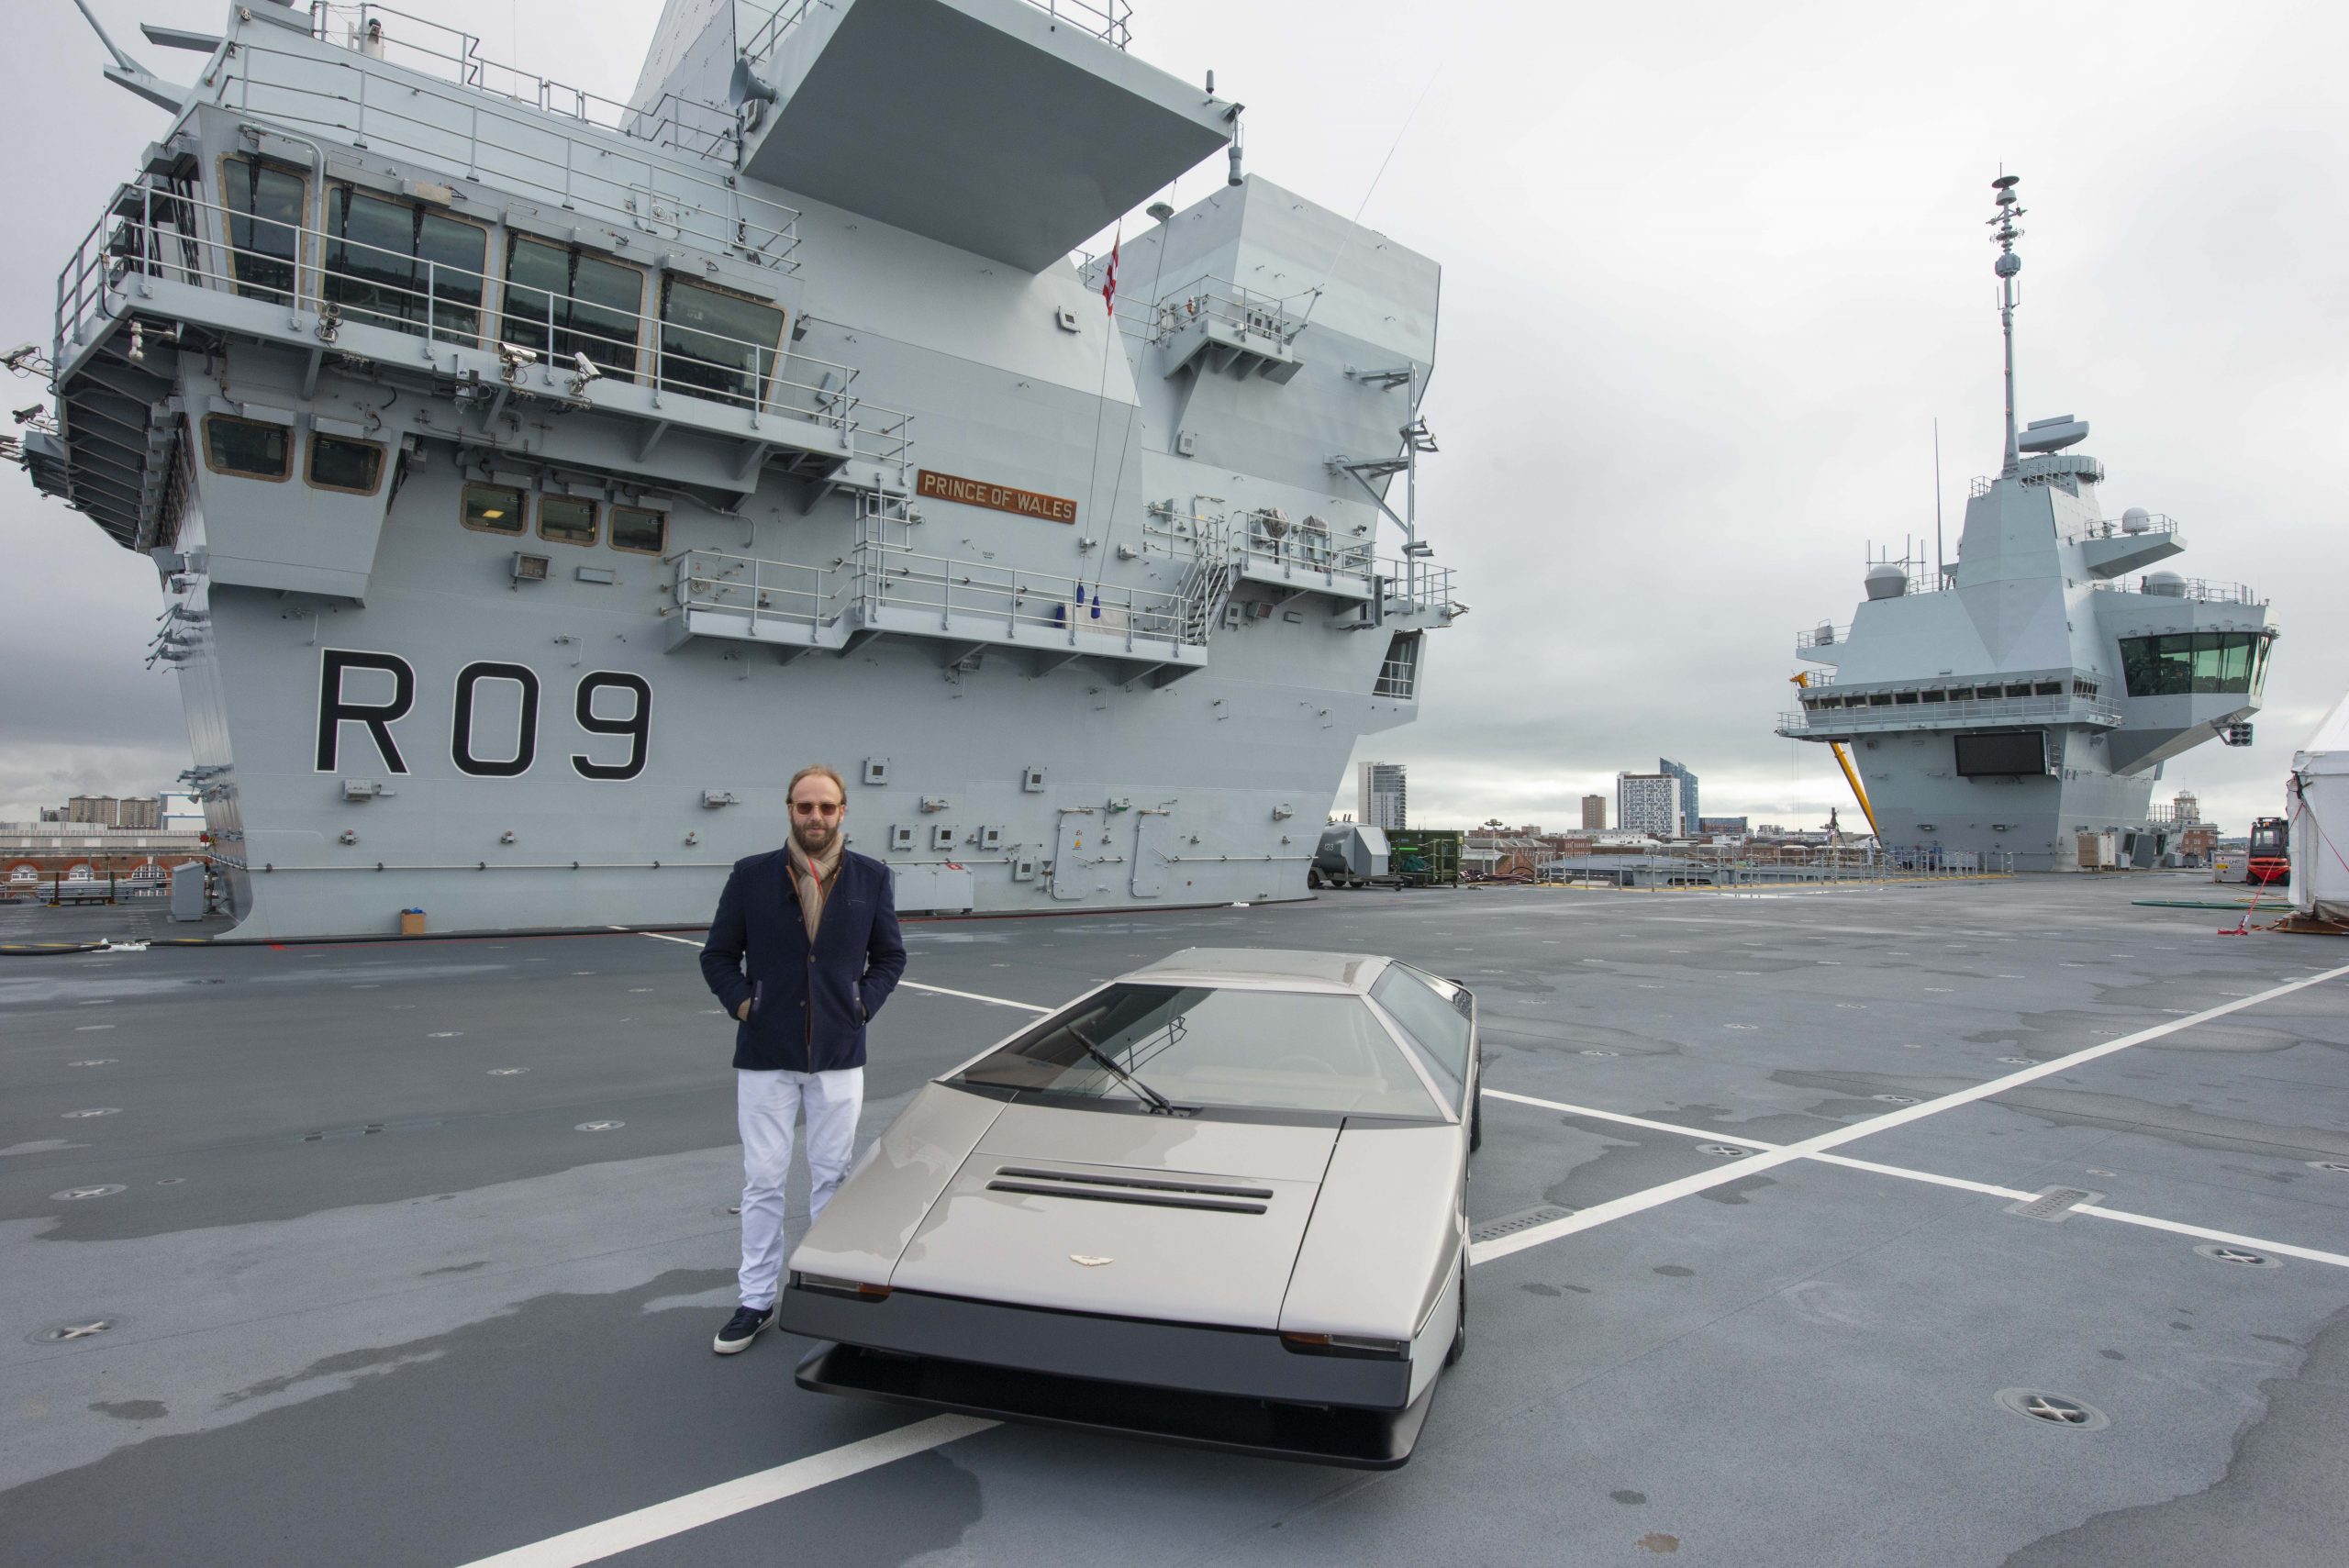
{"x": 1459, "y": 1332}
{"x": 1476, "y": 1126}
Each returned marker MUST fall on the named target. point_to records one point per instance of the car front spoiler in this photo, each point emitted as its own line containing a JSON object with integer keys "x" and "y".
{"x": 1355, "y": 1439}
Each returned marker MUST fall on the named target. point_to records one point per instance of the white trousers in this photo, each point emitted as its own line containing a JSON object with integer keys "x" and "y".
{"x": 765, "y": 1107}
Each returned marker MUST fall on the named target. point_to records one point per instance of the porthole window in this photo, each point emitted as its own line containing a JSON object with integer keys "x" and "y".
{"x": 567, "y": 519}
{"x": 492, "y": 508}
{"x": 337, "y": 463}
{"x": 250, "y": 449}
{"x": 634, "y": 528}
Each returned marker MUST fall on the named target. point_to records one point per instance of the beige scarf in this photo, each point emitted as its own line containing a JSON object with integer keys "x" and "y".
{"x": 815, "y": 879}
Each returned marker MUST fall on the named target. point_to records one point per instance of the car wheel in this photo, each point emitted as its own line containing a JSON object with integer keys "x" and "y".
{"x": 1459, "y": 1332}
{"x": 1476, "y": 1126}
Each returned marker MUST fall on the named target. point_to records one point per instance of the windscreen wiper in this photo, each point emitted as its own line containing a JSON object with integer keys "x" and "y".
{"x": 1159, "y": 1104}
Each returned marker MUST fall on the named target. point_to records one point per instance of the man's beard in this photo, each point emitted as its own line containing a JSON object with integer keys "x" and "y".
{"x": 813, "y": 836}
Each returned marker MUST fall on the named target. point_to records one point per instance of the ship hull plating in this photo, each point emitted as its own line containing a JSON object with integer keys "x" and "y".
{"x": 333, "y": 818}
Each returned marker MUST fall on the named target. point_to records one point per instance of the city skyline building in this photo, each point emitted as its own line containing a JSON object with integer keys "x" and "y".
{"x": 1648, "y": 803}
{"x": 1689, "y": 813}
{"x": 1594, "y": 813}
{"x": 1384, "y": 799}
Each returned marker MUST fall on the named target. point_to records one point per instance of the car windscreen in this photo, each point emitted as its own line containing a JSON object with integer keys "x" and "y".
{"x": 1435, "y": 1014}
{"x": 1207, "y": 1047}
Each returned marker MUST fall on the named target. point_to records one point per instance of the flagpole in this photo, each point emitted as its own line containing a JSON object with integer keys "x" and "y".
{"x": 1101, "y": 403}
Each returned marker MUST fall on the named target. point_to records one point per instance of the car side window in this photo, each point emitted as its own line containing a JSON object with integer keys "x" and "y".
{"x": 1437, "y": 1023}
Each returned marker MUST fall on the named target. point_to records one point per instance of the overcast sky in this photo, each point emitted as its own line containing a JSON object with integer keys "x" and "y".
{"x": 1710, "y": 273}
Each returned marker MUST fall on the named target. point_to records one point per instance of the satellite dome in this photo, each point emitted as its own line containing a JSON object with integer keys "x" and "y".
{"x": 1888, "y": 579}
{"x": 2168, "y": 584}
{"x": 2008, "y": 264}
{"x": 2135, "y": 521}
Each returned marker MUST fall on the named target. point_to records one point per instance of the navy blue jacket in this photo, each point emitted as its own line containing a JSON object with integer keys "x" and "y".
{"x": 809, "y": 1002}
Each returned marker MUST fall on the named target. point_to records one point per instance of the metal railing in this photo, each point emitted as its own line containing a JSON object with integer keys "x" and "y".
{"x": 2066, "y": 708}
{"x": 432, "y": 49}
{"x": 2152, "y": 524}
{"x": 1307, "y": 546}
{"x": 968, "y": 598}
{"x": 1397, "y": 678}
{"x": 783, "y": 593}
{"x": 409, "y": 113}
{"x": 1823, "y": 637}
{"x": 973, "y": 595}
{"x": 1111, "y": 21}
{"x": 1259, "y": 318}
{"x": 2199, "y": 590}
{"x": 158, "y": 235}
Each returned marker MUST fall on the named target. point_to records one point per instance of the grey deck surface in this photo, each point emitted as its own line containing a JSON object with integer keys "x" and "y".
{"x": 478, "y": 1328}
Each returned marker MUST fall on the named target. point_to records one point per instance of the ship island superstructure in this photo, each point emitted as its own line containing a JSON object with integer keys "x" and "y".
{"x": 2017, "y": 704}
{"x": 534, "y": 481}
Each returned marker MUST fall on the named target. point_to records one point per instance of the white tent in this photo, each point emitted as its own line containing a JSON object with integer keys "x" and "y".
{"x": 2318, "y": 796}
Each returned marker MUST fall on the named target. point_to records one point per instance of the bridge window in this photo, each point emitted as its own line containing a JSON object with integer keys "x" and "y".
{"x": 634, "y": 528}
{"x": 264, "y": 206}
{"x": 250, "y": 449}
{"x": 562, "y": 301}
{"x": 492, "y": 508}
{"x": 718, "y": 344}
{"x": 567, "y": 519}
{"x": 2232, "y": 663}
{"x": 394, "y": 263}
{"x": 340, "y": 464}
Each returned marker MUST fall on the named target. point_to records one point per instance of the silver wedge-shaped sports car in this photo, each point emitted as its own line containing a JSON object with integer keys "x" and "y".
{"x": 1218, "y": 1200}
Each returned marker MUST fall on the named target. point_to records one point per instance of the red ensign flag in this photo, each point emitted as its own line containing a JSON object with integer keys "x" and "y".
{"x": 1109, "y": 280}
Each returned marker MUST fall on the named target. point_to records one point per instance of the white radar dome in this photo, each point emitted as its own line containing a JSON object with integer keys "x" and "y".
{"x": 2135, "y": 521}
{"x": 1887, "y": 581}
{"x": 2169, "y": 585}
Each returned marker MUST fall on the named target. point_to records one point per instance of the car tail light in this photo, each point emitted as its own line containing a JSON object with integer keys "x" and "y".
{"x": 832, "y": 1285}
{"x": 1343, "y": 1344}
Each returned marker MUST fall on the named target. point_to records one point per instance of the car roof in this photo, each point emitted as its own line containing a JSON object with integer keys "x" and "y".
{"x": 1271, "y": 968}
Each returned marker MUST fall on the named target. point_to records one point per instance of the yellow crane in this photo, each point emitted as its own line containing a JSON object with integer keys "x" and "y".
{"x": 1844, "y": 760}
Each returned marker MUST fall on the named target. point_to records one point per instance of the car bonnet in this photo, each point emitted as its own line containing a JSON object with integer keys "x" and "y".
{"x": 1181, "y": 1220}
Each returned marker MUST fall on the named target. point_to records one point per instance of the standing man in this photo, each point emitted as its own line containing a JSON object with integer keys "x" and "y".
{"x": 803, "y": 951}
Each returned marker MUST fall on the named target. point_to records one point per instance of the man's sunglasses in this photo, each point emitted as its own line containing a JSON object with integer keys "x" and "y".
{"x": 817, "y": 808}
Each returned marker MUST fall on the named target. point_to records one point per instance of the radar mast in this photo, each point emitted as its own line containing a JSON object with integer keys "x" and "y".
{"x": 2005, "y": 232}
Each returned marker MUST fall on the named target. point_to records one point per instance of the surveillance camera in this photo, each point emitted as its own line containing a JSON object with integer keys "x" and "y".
{"x": 586, "y": 373}
{"x": 514, "y": 354}
{"x": 21, "y": 358}
{"x": 29, "y": 413}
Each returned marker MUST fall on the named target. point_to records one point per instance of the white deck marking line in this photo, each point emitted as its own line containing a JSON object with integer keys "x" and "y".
{"x": 1704, "y": 1181}
{"x": 625, "y": 1532}
{"x": 908, "y": 985}
{"x": 974, "y": 997}
{"x": 1627, "y": 1121}
{"x": 2255, "y": 1243}
{"x": 1960, "y": 1184}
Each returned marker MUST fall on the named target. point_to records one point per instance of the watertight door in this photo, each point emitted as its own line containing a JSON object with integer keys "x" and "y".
{"x": 1073, "y": 854}
{"x": 1154, "y": 843}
